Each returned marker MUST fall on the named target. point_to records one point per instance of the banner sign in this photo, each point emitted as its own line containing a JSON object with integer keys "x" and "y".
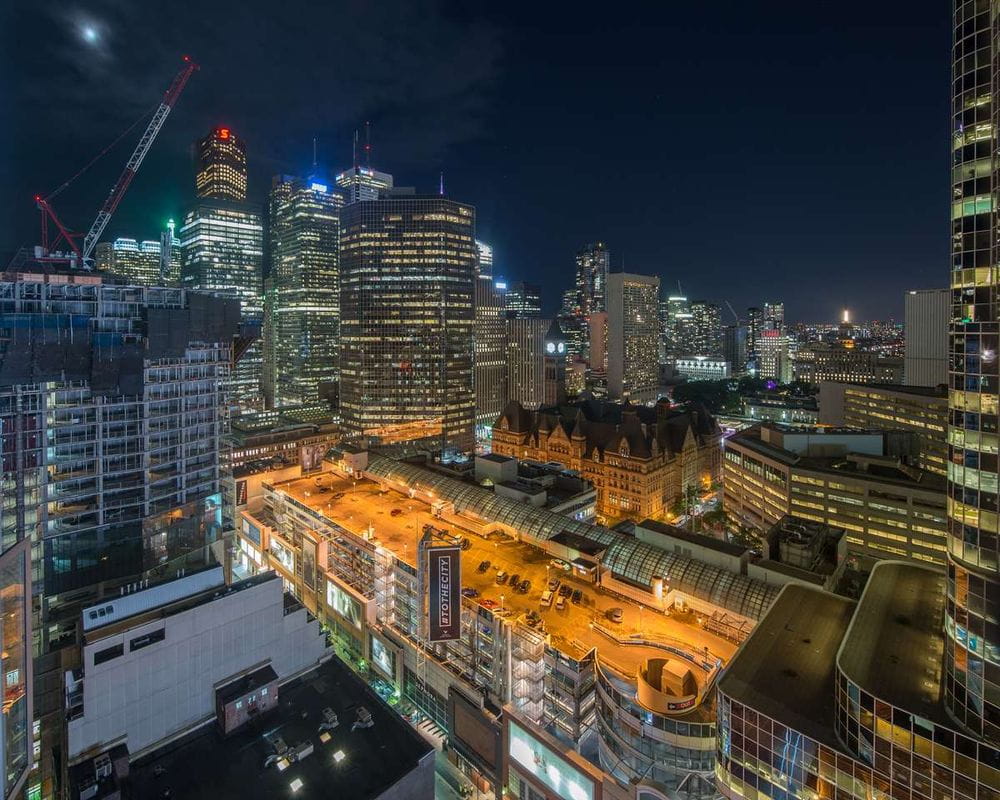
{"x": 445, "y": 587}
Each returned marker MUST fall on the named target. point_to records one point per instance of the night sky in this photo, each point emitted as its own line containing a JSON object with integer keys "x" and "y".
{"x": 751, "y": 150}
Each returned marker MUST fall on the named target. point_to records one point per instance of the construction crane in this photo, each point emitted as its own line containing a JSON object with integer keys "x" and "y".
{"x": 83, "y": 251}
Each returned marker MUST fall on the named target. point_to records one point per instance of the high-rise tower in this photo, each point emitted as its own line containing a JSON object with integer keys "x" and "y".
{"x": 408, "y": 267}
{"x": 592, "y": 266}
{"x": 972, "y": 617}
{"x": 221, "y": 166}
{"x": 303, "y": 300}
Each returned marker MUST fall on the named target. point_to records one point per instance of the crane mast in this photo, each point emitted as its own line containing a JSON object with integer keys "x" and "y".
{"x": 85, "y": 251}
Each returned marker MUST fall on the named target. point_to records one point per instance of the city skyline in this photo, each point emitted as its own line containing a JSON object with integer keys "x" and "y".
{"x": 460, "y": 126}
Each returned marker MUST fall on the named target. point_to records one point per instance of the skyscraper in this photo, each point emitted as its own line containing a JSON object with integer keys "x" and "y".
{"x": 734, "y": 347}
{"x": 170, "y": 256}
{"x": 592, "y": 266}
{"x": 773, "y": 358}
{"x": 633, "y": 336}
{"x": 363, "y": 183}
{"x": 972, "y": 641}
{"x": 554, "y": 366}
{"x": 707, "y": 323}
{"x": 221, "y": 166}
{"x": 490, "y": 375}
{"x": 526, "y": 339}
{"x": 134, "y": 262}
{"x": 222, "y": 251}
{"x": 408, "y": 268}
{"x": 928, "y": 312}
{"x": 677, "y": 328}
{"x": 523, "y": 299}
{"x": 303, "y": 297}
{"x": 774, "y": 315}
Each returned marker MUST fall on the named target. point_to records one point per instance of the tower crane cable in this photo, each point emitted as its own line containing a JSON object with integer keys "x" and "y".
{"x": 66, "y": 184}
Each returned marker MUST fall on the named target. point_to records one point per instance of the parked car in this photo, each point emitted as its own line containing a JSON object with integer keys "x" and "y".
{"x": 577, "y": 596}
{"x": 395, "y": 512}
{"x": 515, "y": 579}
{"x": 615, "y": 614}
{"x": 466, "y": 543}
{"x": 546, "y": 599}
{"x": 561, "y": 602}
{"x": 525, "y": 586}
{"x": 553, "y": 584}
{"x": 558, "y": 563}
{"x": 501, "y": 577}
{"x": 565, "y": 590}
{"x": 468, "y": 591}
{"x": 483, "y": 566}
{"x": 485, "y": 602}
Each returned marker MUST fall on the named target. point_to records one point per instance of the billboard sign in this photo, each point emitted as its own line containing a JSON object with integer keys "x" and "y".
{"x": 445, "y": 589}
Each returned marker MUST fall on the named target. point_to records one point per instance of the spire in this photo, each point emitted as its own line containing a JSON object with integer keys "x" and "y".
{"x": 314, "y": 153}
{"x": 441, "y": 185}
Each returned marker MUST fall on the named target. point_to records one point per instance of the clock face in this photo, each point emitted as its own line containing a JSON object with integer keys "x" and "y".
{"x": 550, "y": 347}
{"x": 562, "y": 347}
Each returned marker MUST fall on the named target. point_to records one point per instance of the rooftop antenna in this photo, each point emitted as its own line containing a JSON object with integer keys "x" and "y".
{"x": 441, "y": 185}
{"x": 314, "y": 152}
{"x": 368, "y": 145}
{"x": 356, "y": 162}
{"x": 680, "y": 291}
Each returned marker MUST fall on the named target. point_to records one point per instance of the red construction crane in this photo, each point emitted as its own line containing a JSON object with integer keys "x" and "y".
{"x": 85, "y": 250}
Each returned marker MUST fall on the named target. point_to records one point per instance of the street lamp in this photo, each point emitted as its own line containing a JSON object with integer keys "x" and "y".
{"x": 501, "y": 604}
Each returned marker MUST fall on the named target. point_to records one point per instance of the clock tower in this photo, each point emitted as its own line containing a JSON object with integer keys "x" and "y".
{"x": 554, "y": 349}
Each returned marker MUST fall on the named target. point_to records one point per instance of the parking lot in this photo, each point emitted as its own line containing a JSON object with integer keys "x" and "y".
{"x": 396, "y": 522}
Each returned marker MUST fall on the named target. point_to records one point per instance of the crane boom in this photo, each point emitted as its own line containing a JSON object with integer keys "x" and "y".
{"x": 121, "y": 186}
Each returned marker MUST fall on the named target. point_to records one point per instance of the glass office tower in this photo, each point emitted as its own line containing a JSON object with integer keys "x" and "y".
{"x": 408, "y": 267}
{"x": 972, "y": 657}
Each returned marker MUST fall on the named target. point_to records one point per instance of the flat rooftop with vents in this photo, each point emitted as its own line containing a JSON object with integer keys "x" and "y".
{"x": 370, "y": 754}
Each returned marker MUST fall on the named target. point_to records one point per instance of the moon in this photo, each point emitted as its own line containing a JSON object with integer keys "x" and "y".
{"x": 90, "y": 33}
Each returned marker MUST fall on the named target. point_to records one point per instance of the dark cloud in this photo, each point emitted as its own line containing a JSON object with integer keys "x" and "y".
{"x": 279, "y": 73}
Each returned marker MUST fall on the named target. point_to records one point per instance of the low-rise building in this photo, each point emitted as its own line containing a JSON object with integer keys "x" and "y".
{"x": 781, "y": 408}
{"x": 702, "y": 368}
{"x": 832, "y": 698}
{"x": 851, "y": 479}
{"x": 353, "y": 549}
{"x": 639, "y": 459}
{"x": 922, "y": 410}
{"x": 821, "y": 362}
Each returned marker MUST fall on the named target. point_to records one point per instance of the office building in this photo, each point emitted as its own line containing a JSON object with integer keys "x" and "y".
{"x": 972, "y": 641}
{"x": 222, "y": 251}
{"x": 135, "y": 263}
{"x": 408, "y": 267}
{"x": 526, "y": 361}
{"x": 640, "y": 459}
{"x": 485, "y": 253}
{"x": 170, "y": 256}
{"x": 927, "y": 316}
{"x": 707, "y": 323}
{"x": 702, "y": 368}
{"x": 593, "y": 263}
{"x": 756, "y": 323}
{"x": 221, "y": 166}
{"x": 677, "y": 328}
{"x": 774, "y": 316}
{"x": 858, "y": 708}
{"x": 858, "y": 480}
{"x": 921, "y": 410}
{"x": 490, "y": 372}
{"x": 111, "y": 418}
{"x": 633, "y": 336}
{"x": 599, "y": 342}
{"x": 523, "y": 300}
{"x": 820, "y": 362}
{"x": 734, "y": 347}
{"x": 362, "y": 184}
{"x": 787, "y": 410}
{"x": 773, "y": 357}
{"x": 303, "y": 299}
{"x": 579, "y": 676}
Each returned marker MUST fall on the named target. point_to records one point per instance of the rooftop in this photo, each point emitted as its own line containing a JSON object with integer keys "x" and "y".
{"x": 940, "y": 392}
{"x": 894, "y": 648}
{"x": 204, "y": 766}
{"x": 786, "y": 669}
{"x": 697, "y": 539}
